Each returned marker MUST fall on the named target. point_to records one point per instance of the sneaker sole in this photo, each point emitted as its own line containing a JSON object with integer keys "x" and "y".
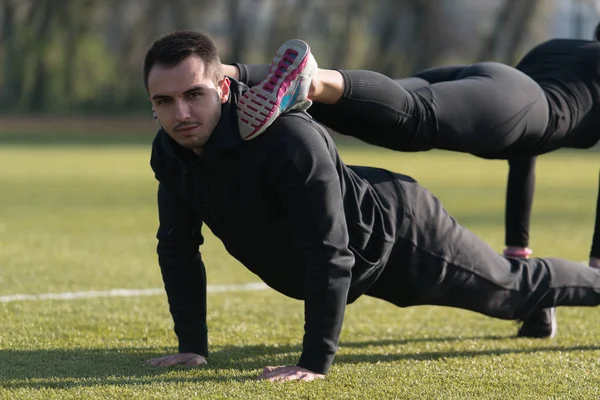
{"x": 264, "y": 98}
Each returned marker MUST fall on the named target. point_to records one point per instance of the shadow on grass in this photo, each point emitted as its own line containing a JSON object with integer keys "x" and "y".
{"x": 99, "y": 367}
{"x": 124, "y": 366}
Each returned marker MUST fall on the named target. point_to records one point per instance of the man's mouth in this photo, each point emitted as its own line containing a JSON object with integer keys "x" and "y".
{"x": 187, "y": 128}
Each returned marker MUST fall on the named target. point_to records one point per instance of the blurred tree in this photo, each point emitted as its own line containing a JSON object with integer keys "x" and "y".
{"x": 74, "y": 18}
{"x": 389, "y": 18}
{"x": 41, "y": 17}
{"x": 87, "y": 55}
{"x": 179, "y": 13}
{"x": 509, "y": 31}
{"x": 518, "y": 31}
{"x": 350, "y": 13}
{"x": 9, "y": 89}
{"x": 286, "y": 21}
{"x": 237, "y": 26}
{"x": 409, "y": 36}
{"x": 427, "y": 40}
{"x": 490, "y": 46}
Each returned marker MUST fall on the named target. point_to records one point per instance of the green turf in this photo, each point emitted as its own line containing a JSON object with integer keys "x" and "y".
{"x": 76, "y": 218}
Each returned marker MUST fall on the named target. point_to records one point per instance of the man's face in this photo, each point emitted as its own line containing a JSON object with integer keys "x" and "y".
{"x": 186, "y": 101}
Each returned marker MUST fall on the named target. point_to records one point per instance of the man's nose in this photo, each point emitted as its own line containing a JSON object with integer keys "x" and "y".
{"x": 182, "y": 110}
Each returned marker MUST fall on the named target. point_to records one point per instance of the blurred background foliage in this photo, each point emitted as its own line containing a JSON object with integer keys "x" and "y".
{"x": 84, "y": 57}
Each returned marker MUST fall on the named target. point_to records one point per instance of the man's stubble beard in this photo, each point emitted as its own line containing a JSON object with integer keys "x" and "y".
{"x": 200, "y": 142}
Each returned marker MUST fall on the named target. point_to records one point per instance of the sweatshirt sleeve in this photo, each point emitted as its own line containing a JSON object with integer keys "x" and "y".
{"x": 519, "y": 201}
{"x": 181, "y": 265}
{"x": 308, "y": 189}
{"x": 183, "y": 272}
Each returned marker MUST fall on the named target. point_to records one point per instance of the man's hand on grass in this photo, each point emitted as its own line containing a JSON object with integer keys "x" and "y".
{"x": 294, "y": 373}
{"x": 189, "y": 359}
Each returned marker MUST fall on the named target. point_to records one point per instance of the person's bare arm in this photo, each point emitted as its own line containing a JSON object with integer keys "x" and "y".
{"x": 595, "y": 252}
{"x": 294, "y": 373}
{"x": 231, "y": 71}
{"x": 519, "y": 202}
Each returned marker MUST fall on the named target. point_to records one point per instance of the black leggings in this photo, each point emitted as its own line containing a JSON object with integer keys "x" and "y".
{"x": 521, "y": 178}
{"x": 487, "y": 109}
{"x": 596, "y": 242}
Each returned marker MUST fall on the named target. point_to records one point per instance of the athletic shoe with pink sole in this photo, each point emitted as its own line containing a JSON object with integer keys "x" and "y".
{"x": 284, "y": 89}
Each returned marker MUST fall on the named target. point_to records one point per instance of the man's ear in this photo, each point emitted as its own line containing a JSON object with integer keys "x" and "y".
{"x": 154, "y": 113}
{"x": 224, "y": 90}
{"x": 155, "y": 116}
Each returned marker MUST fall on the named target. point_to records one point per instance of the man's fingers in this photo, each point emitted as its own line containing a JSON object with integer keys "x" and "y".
{"x": 165, "y": 361}
{"x": 292, "y": 376}
{"x": 154, "y": 361}
{"x": 194, "y": 360}
{"x": 282, "y": 374}
{"x": 312, "y": 377}
{"x": 267, "y": 372}
{"x": 276, "y": 372}
{"x": 269, "y": 369}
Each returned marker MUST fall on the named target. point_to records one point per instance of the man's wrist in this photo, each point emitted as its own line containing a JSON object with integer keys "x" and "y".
{"x": 232, "y": 70}
{"x": 316, "y": 363}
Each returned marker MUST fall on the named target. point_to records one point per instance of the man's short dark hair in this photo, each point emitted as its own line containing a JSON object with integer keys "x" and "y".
{"x": 597, "y": 32}
{"x": 173, "y": 48}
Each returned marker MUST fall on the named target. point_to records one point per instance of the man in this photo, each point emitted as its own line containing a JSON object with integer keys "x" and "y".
{"x": 309, "y": 226}
{"x": 487, "y": 109}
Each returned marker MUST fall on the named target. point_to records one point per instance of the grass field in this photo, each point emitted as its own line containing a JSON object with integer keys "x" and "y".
{"x": 83, "y": 218}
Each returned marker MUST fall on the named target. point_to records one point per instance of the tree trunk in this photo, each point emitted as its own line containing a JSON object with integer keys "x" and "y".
{"x": 40, "y": 82}
{"x": 384, "y": 58}
{"x": 494, "y": 41}
{"x": 285, "y": 22}
{"x": 10, "y": 92}
{"x": 70, "y": 47}
{"x": 180, "y": 14}
{"x": 522, "y": 21}
{"x": 238, "y": 30}
{"x": 346, "y": 37}
{"x": 425, "y": 35}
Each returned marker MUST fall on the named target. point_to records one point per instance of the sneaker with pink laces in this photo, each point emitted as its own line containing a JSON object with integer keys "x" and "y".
{"x": 284, "y": 89}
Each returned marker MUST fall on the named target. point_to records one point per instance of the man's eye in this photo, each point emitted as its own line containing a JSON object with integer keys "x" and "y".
{"x": 162, "y": 101}
{"x": 194, "y": 95}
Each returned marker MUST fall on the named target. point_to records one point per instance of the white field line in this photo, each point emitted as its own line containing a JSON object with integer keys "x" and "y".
{"x": 244, "y": 287}
{"x": 124, "y": 293}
